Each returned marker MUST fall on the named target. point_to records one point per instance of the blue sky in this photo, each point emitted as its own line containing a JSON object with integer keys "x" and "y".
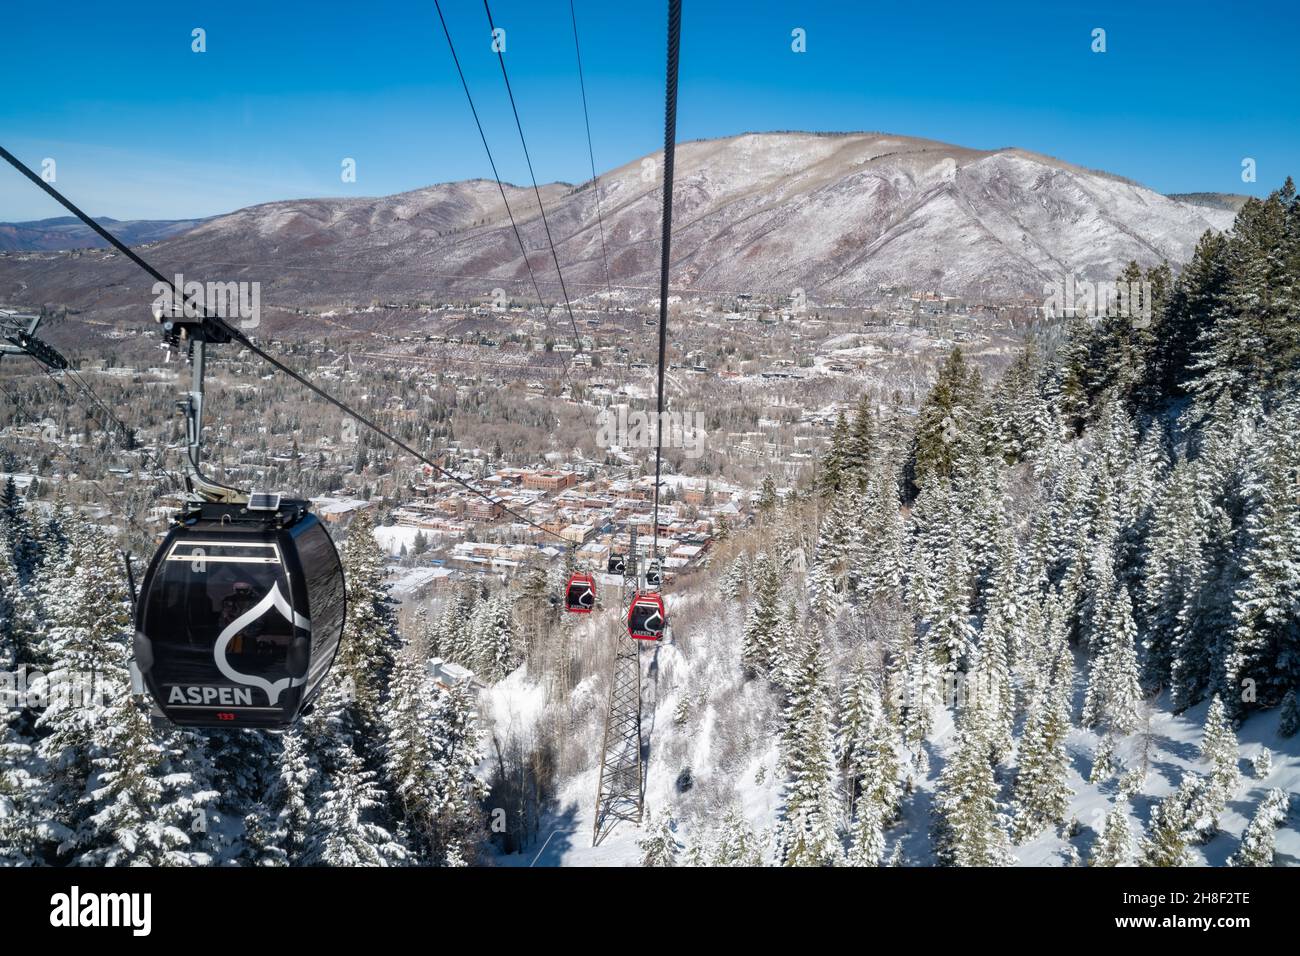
{"x": 142, "y": 127}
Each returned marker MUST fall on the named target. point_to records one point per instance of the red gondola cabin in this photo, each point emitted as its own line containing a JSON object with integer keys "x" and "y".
{"x": 580, "y": 594}
{"x": 646, "y": 617}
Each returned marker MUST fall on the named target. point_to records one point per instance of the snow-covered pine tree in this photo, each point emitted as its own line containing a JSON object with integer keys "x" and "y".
{"x": 20, "y": 784}
{"x": 1191, "y": 304}
{"x": 1139, "y": 487}
{"x": 736, "y": 843}
{"x": 824, "y": 599}
{"x": 1099, "y": 581}
{"x": 735, "y": 580}
{"x": 1265, "y": 642}
{"x": 982, "y": 520}
{"x": 1077, "y": 375}
{"x": 990, "y": 679}
{"x": 19, "y": 772}
{"x": 931, "y": 534}
{"x": 945, "y": 430}
{"x": 860, "y": 444}
{"x": 952, "y": 635}
{"x": 1046, "y": 632}
{"x": 431, "y": 751}
{"x": 1258, "y": 842}
{"x": 457, "y": 788}
{"x": 478, "y": 641}
{"x": 1165, "y": 843}
{"x": 366, "y": 656}
{"x": 409, "y": 756}
{"x": 759, "y": 653}
{"x": 879, "y": 567}
{"x": 18, "y": 844}
{"x": 917, "y": 687}
{"x": 874, "y": 774}
{"x": 343, "y": 831}
{"x": 806, "y": 835}
{"x": 1226, "y": 460}
{"x": 278, "y": 830}
{"x": 1219, "y": 749}
{"x": 1261, "y": 765}
{"x": 533, "y": 608}
{"x": 115, "y": 791}
{"x": 1173, "y": 568}
{"x": 867, "y": 835}
{"x": 1041, "y": 796}
{"x": 969, "y": 831}
{"x": 1114, "y": 696}
{"x": 1005, "y": 596}
{"x": 1016, "y": 420}
{"x": 1288, "y": 720}
{"x": 493, "y": 634}
{"x": 16, "y": 534}
{"x": 141, "y": 809}
{"x": 659, "y": 847}
{"x": 10, "y": 600}
{"x": 1185, "y": 817}
{"x": 1104, "y": 762}
{"x": 830, "y": 477}
{"x": 1114, "y": 847}
{"x": 454, "y": 630}
{"x": 1250, "y": 343}
{"x": 80, "y": 641}
{"x": 858, "y": 698}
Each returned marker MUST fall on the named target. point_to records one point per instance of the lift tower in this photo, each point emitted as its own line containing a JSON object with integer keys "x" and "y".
{"x": 619, "y": 792}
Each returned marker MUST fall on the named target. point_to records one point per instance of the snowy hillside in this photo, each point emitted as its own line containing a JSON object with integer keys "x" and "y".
{"x": 837, "y": 215}
{"x": 1048, "y": 619}
{"x": 701, "y": 718}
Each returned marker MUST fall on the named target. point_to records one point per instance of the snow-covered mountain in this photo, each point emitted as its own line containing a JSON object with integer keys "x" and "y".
{"x": 838, "y": 215}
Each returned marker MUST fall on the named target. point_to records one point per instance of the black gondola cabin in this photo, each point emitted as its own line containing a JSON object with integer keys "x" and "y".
{"x": 240, "y": 615}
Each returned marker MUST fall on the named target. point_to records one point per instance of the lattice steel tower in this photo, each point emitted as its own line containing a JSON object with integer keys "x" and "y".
{"x": 619, "y": 791}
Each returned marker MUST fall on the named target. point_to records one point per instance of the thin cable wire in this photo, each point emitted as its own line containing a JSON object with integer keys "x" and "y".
{"x": 670, "y": 149}
{"x": 541, "y": 302}
{"x": 75, "y": 459}
{"x": 577, "y": 339}
{"x": 591, "y": 154}
{"x": 128, "y": 434}
{"x": 488, "y": 149}
{"x": 154, "y": 461}
{"x": 218, "y": 329}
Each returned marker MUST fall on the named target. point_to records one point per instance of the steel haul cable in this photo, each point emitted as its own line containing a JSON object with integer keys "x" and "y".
{"x": 488, "y": 149}
{"x": 227, "y": 330}
{"x": 670, "y": 149}
{"x": 128, "y": 435}
{"x": 546, "y": 225}
{"x": 495, "y": 175}
{"x": 591, "y": 154}
{"x": 76, "y": 459}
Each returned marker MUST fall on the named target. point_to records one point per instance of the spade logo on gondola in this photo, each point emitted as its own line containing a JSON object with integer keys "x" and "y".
{"x": 273, "y": 690}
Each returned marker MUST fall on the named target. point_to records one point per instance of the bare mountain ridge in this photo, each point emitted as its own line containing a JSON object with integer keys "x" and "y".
{"x": 68, "y": 232}
{"x": 838, "y": 215}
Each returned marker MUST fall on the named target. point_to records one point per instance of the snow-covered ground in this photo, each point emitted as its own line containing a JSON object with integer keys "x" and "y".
{"x": 392, "y": 538}
{"x": 725, "y": 740}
